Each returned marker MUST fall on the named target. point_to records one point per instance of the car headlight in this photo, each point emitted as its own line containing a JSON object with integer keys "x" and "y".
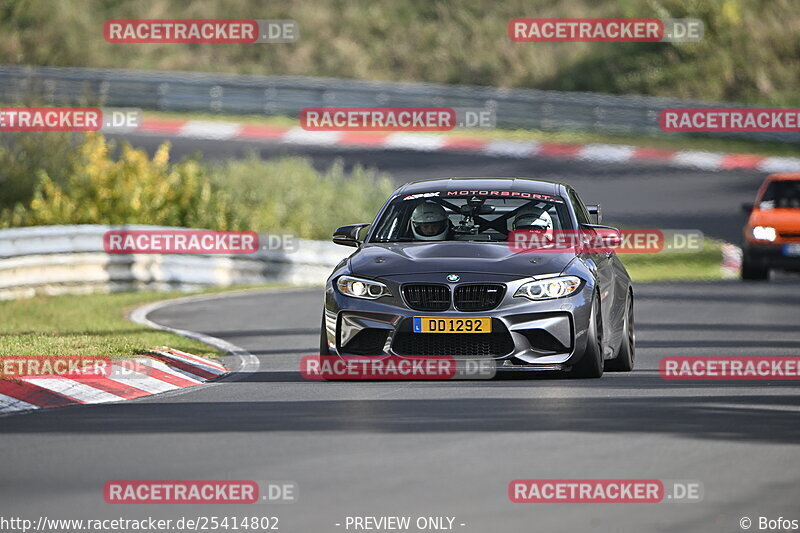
{"x": 763, "y": 233}
{"x": 361, "y": 288}
{"x": 549, "y": 288}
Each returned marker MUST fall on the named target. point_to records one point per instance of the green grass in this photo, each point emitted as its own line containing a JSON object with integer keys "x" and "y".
{"x": 698, "y": 266}
{"x": 568, "y": 137}
{"x": 92, "y": 324}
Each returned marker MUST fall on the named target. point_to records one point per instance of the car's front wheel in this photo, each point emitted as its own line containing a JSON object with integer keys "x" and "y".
{"x": 590, "y": 364}
{"x": 623, "y": 362}
{"x": 753, "y": 270}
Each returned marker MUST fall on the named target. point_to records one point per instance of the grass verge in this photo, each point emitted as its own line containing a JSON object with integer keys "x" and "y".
{"x": 90, "y": 324}
{"x": 699, "y": 266}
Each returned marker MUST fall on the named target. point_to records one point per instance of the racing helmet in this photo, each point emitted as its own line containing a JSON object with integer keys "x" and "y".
{"x": 533, "y": 219}
{"x": 429, "y": 222}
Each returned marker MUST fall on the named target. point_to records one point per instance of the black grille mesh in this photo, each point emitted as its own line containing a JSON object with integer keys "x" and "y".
{"x": 478, "y": 297}
{"x": 469, "y": 344}
{"x": 427, "y": 297}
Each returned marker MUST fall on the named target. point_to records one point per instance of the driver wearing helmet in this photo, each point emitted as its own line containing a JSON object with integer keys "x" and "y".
{"x": 540, "y": 225}
{"x": 534, "y": 220}
{"x": 429, "y": 222}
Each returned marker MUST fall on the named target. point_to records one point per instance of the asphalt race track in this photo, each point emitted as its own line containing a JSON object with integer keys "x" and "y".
{"x": 641, "y": 195}
{"x": 451, "y": 448}
{"x": 443, "y": 448}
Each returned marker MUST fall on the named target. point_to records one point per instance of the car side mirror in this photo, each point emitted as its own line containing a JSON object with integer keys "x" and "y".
{"x": 747, "y": 207}
{"x": 348, "y": 235}
{"x": 595, "y": 213}
{"x": 601, "y": 237}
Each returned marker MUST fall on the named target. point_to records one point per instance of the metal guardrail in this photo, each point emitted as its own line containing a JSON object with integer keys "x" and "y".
{"x": 287, "y": 95}
{"x": 71, "y": 259}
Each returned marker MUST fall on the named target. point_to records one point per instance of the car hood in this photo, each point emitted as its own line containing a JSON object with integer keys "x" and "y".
{"x": 392, "y": 259}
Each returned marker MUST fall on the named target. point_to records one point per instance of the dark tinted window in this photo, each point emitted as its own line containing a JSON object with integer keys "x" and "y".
{"x": 781, "y": 194}
{"x": 580, "y": 210}
{"x": 492, "y": 222}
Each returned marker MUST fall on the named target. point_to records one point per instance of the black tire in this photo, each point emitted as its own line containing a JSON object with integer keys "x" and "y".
{"x": 590, "y": 364}
{"x": 753, "y": 271}
{"x": 323, "y": 339}
{"x": 624, "y": 360}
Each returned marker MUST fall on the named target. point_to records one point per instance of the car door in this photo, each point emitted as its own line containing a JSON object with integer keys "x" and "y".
{"x": 603, "y": 265}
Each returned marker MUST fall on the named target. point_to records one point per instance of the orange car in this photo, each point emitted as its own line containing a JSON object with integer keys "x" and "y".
{"x": 772, "y": 233}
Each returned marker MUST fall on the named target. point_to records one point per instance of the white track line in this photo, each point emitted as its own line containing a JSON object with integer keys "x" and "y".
{"x": 249, "y": 363}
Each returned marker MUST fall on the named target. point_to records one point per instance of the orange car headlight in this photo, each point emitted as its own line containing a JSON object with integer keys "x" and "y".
{"x": 764, "y": 233}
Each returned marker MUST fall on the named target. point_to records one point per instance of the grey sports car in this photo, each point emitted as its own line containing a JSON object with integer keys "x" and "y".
{"x": 437, "y": 274}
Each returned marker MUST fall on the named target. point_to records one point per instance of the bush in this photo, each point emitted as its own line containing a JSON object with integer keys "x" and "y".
{"x": 131, "y": 189}
{"x": 23, "y": 155}
{"x": 290, "y": 195}
{"x": 96, "y": 187}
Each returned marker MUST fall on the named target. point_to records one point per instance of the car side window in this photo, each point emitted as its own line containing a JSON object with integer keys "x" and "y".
{"x": 580, "y": 210}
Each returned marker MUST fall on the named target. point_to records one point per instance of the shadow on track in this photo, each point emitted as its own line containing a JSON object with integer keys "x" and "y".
{"x": 732, "y": 417}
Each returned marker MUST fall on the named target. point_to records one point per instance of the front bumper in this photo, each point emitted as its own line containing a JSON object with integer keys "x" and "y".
{"x": 526, "y": 335}
{"x": 771, "y": 256}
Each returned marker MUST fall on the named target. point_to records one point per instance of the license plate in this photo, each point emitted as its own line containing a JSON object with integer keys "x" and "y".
{"x": 435, "y": 324}
{"x": 792, "y": 250}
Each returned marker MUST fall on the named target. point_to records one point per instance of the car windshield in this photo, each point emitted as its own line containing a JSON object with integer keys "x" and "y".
{"x": 781, "y": 194}
{"x": 443, "y": 216}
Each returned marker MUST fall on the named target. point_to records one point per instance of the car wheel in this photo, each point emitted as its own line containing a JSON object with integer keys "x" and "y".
{"x": 752, "y": 270}
{"x": 590, "y": 364}
{"x": 323, "y": 339}
{"x": 627, "y": 350}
